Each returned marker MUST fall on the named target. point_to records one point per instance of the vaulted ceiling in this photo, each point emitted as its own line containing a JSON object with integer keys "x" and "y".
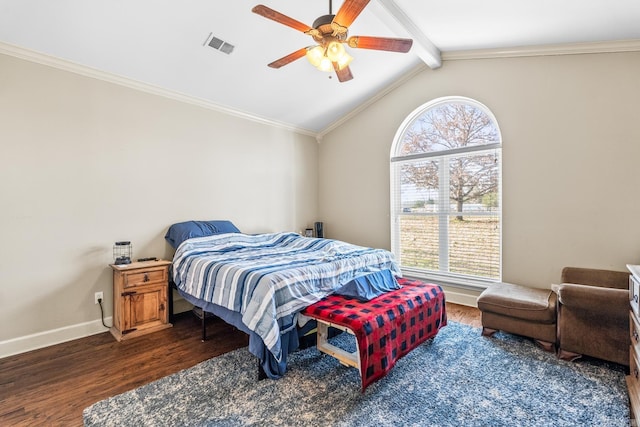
{"x": 164, "y": 45}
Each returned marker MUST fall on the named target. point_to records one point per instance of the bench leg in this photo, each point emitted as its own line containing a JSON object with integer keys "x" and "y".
{"x": 323, "y": 345}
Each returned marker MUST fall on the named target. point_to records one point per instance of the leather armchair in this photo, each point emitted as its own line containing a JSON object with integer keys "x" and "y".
{"x": 593, "y": 314}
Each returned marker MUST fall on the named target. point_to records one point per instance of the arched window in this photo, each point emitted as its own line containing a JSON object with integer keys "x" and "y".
{"x": 446, "y": 193}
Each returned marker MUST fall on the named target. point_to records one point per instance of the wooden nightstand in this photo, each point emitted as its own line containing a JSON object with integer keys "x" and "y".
{"x": 140, "y": 293}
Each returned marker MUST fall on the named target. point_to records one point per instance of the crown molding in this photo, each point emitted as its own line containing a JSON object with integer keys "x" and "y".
{"x": 615, "y": 46}
{"x": 62, "y": 64}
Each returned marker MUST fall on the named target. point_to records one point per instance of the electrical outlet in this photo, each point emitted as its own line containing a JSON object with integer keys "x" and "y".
{"x": 98, "y": 296}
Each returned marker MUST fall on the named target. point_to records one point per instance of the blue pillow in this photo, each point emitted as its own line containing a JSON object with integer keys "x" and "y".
{"x": 182, "y": 231}
{"x": 370, "y": 286}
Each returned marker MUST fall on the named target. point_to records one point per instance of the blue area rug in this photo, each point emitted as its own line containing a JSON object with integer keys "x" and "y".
{"x": 458, "y": 378}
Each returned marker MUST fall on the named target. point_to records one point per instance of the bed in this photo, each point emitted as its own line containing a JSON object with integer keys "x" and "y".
{"x": 260, "y": 283}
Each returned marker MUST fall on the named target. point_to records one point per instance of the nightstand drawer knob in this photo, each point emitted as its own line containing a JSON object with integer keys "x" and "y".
{"x": 146, "y": 277}
{"x": 635, "y": 335}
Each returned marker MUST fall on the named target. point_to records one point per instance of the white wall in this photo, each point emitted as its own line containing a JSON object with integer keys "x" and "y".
{"x": 85, "y": 163}
{"x": 570, "y": 159}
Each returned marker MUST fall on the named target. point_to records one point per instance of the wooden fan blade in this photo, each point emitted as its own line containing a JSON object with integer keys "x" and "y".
{"x": 344, "y": 75}
{"x": 279, "y": 17}
{"x": 380, "y": 43}
{"x": 349, "y": 12}
{"x": 289, "y": 58}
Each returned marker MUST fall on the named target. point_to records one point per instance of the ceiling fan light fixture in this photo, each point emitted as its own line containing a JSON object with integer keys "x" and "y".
{"x": 325, "y": 65}
{"x": 314, "y": 55}
{"x": 344, "y": 61}
{"x": 335, "y": 51}
{"x": 323, "y": 58}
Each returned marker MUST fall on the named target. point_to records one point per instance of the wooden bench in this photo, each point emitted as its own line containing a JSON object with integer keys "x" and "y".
{"x": 386, "y": 328}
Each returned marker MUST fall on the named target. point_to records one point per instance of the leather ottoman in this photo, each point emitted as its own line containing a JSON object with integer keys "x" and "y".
{"x": 520, "y": 310}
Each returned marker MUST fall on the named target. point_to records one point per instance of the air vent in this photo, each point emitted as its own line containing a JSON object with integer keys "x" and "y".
{"x": 218, "y": 44}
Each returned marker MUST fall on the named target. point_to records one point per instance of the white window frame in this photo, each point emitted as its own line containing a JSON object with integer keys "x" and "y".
{"x": 396, "y": 159}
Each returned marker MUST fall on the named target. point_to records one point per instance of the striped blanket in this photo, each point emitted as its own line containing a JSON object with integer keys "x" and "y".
{"x": 269, "y": 278}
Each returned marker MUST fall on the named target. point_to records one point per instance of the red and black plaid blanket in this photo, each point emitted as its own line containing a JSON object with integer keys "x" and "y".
{"x": 389, "y": 326}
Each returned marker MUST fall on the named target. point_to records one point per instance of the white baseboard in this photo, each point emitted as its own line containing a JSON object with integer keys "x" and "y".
{"x": 465, "y": 297}
{"x": 48, "y": 338}
{"x": 68, "y": 333}
{"x": 461, "y": 299}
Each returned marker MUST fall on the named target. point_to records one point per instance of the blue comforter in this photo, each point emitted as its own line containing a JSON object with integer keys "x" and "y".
{"x": 269, "y": 278}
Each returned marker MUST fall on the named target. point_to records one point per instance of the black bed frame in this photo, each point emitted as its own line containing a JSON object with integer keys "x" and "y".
{"x": 201, "y": 314}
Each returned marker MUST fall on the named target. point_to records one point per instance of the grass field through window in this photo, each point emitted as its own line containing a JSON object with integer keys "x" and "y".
{"x": 474, "y": 244}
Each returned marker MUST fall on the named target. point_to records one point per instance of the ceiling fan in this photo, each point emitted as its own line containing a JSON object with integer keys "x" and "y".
{"x": 330, "y": 32}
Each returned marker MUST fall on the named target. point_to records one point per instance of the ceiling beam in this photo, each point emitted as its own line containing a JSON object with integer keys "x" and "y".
{"x": 397, "y": 20}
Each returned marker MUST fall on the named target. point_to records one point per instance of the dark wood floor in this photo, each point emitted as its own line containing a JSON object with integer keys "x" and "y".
{"x": 53, "y": 385}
